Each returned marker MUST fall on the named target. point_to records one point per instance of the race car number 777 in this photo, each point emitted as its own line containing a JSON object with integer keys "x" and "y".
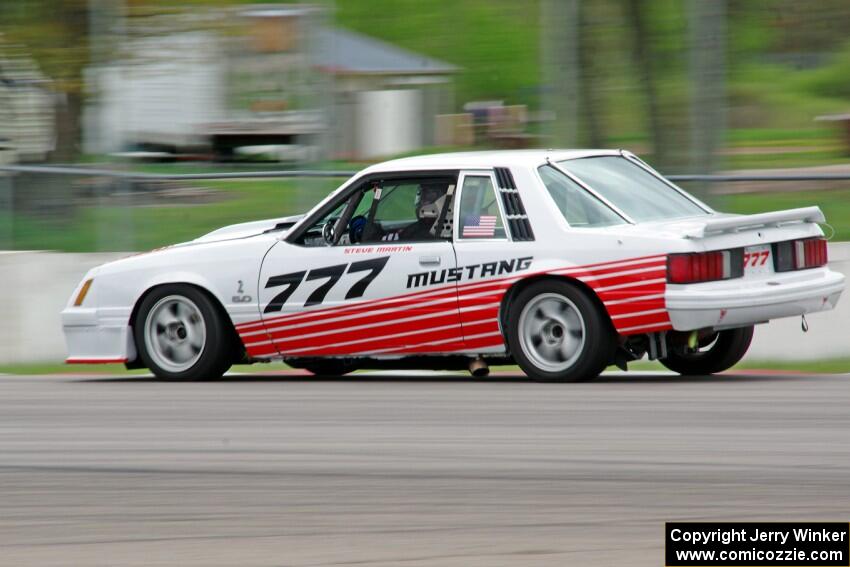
{"x": 757, "y": 259}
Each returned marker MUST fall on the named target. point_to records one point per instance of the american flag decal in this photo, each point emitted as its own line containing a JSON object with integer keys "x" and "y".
{"x": 479, "y": 225}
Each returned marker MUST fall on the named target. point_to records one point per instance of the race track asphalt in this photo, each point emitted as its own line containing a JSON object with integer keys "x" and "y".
{"x": 401, "y": 470}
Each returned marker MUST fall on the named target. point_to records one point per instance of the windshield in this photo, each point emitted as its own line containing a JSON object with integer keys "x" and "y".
{"x": 632, "y": 189}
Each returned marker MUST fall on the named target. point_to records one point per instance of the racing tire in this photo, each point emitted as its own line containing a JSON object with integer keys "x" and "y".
{"x": 182, "y": 335}
{"x": 329, "y": 368}
{"x": 557, "y": 333}
{"x": 720, "y": 353}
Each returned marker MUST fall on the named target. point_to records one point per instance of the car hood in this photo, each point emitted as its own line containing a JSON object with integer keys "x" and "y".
{"x": 242, "y": 231}
{"x": 246, "y": 229}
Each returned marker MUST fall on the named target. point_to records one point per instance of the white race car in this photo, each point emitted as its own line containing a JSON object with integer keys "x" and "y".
{"x": 563, "y": 262}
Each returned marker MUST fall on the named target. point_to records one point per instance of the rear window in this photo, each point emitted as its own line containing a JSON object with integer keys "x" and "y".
{"x": 632, "y": 189}
{"x": 580, "y": 208}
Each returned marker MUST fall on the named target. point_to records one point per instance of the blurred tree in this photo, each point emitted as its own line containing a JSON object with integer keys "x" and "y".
{"x": 590, "y": 75}
{"x": 642, "y": 41}
{"x": 708, "y": 82}
{"x": 56, "y": 36}
{"x": 561, "y": 68}
{"x": 807, "y": 27}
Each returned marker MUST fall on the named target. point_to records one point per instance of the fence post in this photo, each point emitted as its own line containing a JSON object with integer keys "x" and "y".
{"x": 126, "y": 217}
{"x": 115, "y": 224}
{"x": 7, "y": 212}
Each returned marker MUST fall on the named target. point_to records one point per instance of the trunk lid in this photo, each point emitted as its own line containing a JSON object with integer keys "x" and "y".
{"x": 719, "y": 224}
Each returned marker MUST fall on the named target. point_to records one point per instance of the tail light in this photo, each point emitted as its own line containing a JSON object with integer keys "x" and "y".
{"x": 799, "y": 254}
{"x": 705, "y": 266}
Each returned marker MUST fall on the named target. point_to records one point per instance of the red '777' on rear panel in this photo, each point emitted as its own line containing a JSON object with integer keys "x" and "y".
{"x": 753, "y": 259}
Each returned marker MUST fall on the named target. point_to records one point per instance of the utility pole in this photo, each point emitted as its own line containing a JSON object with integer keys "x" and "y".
{"x": 560, "y": 68}
{"x": 708, "y": 83}
{"x": 107, "y": 37}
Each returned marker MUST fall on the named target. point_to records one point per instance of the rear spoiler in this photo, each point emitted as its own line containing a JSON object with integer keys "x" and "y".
{"x": 761, "y": 220}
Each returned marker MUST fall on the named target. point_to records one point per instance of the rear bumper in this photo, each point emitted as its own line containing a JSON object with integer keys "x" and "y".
{"x": 92, "y": 338}
{"x": 737, "y": 303}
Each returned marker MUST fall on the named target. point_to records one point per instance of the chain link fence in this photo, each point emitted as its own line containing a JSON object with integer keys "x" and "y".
{"x": 81, "y": 209}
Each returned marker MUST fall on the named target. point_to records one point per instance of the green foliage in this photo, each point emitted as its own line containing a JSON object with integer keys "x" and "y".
{"x": 117, "y": 228}
{"x": 828, "y": 366}
{"x": 749, "y": 33}
{"x": 143, "y": 228}
{"x": 495, "y": 42}
{"x": 496, "y": 45}
{"x": 834, "y": 203}
{"x": 832, "y": 80}
{"x": 55, "y": 34}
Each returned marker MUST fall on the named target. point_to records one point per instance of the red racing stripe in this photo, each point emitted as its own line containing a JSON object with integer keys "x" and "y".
{"x": 397, "y": 341}
{"x": 261, "y": 350}
{"x": 483, "y": 342}
{"x": 380, "y": 332}
{"x": 589, "y": 269}
{"x": 634, "y": 306}
{"x": 624, "y": 263}
{"x": 632, "y": 292}
{"x": 642, "y": 320}
{"x": 623, "y": 282}
{"x": 74, "y": 360}
{"x": 378, "y": 323}
{"x": 398, "y": 304}
{"x": 458, "y": 345}
{"x": 635, "y": 270}
{"x": 472, "y": 316}
{"x": 424, "y": 295}
{"x": 349, "y": 309}
{"x": 646, "y": 329}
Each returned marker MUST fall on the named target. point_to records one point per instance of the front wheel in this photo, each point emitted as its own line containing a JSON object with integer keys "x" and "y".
{"x": 556, "y": 333}
{"x": 181, "y": 335}
{"x": 715, "y": 353}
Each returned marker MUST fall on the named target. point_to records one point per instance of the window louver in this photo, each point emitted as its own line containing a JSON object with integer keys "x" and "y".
{"x": 517, "y": 218}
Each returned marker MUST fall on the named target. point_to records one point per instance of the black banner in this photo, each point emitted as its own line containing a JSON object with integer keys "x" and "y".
{"x": 762, "y": 544}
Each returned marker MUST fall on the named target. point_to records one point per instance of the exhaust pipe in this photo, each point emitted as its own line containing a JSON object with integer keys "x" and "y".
{"x": 478, "y": 368}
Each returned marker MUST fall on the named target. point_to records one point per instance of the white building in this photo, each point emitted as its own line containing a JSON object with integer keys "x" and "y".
{"x": 282, "y": 79}
{"x": 385, "y": 99}
{"x": 27, "y": 131}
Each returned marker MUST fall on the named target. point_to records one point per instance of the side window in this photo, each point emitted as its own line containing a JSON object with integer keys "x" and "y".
{"x": 323, "y": 231}
{"x": 353, "y": 233}
{"x": 479, "y": 210}
{"x": 320, "y": 233}
{"x": 408, "y": 210}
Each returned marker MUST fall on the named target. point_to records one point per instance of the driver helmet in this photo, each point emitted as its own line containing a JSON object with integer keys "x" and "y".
{"x": 429, "y": 198}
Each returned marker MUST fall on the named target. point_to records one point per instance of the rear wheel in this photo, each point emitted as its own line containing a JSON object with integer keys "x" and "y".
{"x": 715, "y": 353}
{"x": 181, "y": 335}
{"x": 556, "y": 333}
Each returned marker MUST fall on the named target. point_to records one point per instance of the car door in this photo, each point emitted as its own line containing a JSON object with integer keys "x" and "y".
{"x": 488, "y": 258}
{"x": 361, "y": 281}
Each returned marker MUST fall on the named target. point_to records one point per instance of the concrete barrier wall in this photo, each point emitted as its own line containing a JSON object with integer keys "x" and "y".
{"x": 35, "y": 286}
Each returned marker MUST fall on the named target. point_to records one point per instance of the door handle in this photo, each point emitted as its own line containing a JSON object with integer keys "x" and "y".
{"x": 429, "y": 260}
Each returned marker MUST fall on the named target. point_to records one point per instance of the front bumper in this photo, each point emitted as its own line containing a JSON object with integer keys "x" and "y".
{"x": 92, "y": 337}
{"x": 736, "y": 303}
